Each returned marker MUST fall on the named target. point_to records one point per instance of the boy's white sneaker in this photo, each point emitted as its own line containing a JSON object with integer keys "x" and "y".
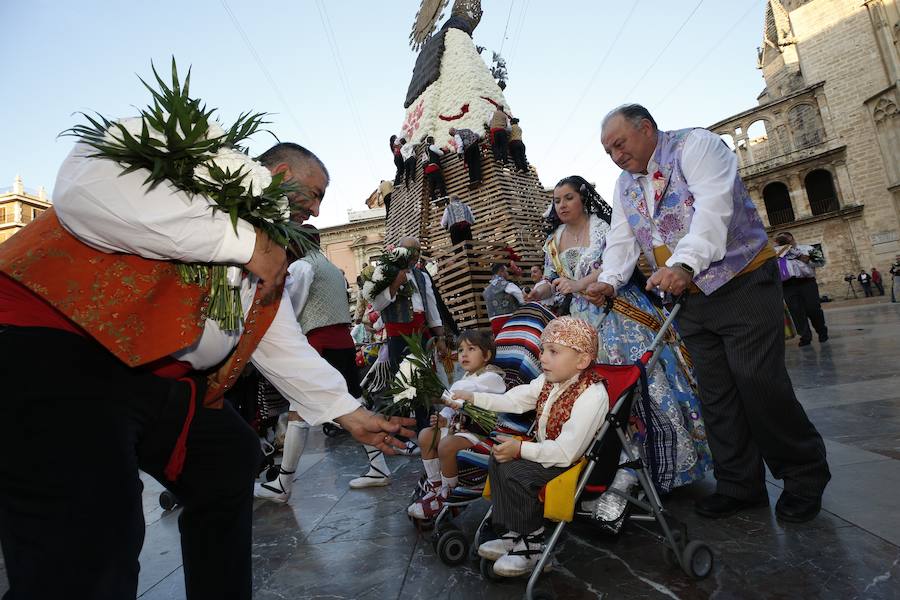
{"x": 494, "y": 549}
{"x": 522, "y": 558}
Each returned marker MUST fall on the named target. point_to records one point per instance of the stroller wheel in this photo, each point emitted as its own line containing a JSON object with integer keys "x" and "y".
{"x": 452, "y": 547}
{"x": 167, "y": 500}
{"x": 487, "y": 570}
{"x": 698, "y": 559}
{"x": 330, "y": 430}
{"x": 272, "y": 473}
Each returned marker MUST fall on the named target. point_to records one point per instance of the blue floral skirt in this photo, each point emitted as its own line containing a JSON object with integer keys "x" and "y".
{"x": 686, "y": 456}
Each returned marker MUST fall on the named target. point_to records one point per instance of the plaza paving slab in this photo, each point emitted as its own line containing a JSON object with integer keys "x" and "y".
{"x": 333, "y": 542}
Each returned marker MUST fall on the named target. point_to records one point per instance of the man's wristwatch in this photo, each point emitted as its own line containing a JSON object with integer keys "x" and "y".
{"x": 686, "y": 268}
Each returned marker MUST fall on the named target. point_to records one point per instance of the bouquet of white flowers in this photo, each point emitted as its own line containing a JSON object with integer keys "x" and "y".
{"x": 377, "y": 277}
{"x": 416, "y": 383}
{"x": 176, "y": 140}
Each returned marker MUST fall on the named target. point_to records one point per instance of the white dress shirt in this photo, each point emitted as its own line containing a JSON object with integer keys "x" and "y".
{"x": 515, "y": 291}
{"x": 297, "y": 284}
{"x": 115, "y": 213}
{"x": 709, "y": 168}
{"x": 407, "y": 150}
{"x": 576, "y": 434}
{"x": 432, "y": 316}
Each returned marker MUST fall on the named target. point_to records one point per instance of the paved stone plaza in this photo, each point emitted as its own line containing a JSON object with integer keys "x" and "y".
{"x": 332, "y": 542}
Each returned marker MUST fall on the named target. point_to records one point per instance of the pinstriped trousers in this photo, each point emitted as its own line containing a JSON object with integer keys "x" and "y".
{"x": 736, "y": 339}
{"x": 514, "y": 493}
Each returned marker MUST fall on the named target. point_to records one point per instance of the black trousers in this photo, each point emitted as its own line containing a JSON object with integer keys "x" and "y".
{"x": 398, "y": 162}
{"x": 472, "y": 157}
{"x": 514, "y": 493}
{"x": 736, "y": 340}
{"x": 436, "y": 184}
{"x": 460, "y": 232}
{"x": 517, "y": 150}
{"x": 867, "y": 289}
{"x": 501, "y": 145}
{"x": 409, "y": 170}
{"x": 397, "y": 350}
{"x": 387, "y": 206}
{"x": 802, "y": 299}
{"x": 344, "y": 362}
{"x": 75, "y": 427}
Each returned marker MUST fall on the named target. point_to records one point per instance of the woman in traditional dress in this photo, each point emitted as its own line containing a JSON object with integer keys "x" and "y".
{"x": 676, "y": 447}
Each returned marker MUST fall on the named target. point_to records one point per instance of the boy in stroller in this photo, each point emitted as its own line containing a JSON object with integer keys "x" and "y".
{"x": 571, "y": 402}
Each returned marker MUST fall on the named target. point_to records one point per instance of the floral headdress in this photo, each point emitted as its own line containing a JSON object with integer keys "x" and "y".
{"x": 572, "y": 333}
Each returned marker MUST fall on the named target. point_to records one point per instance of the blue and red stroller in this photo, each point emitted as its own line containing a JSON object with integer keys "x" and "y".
{"x": 449, "y": 542}
{"x": 626, "y": 384}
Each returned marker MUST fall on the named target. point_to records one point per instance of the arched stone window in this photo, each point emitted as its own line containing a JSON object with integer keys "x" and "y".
{"x": 805, "y": 125}
{"x": 777, "y": 199}
{"x": 757, "y": 133}
{"x": 820, "y": 192}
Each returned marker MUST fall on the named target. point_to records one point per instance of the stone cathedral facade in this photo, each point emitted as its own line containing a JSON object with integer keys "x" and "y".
{"x": 820, "y": 153}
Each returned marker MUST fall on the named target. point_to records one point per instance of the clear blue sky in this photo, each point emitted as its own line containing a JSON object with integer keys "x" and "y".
{"x": 566, "y": 70}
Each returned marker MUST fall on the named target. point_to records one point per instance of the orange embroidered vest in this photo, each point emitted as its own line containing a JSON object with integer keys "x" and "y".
{"x": 562, "y": 408}
{"x": 138, "y": 309}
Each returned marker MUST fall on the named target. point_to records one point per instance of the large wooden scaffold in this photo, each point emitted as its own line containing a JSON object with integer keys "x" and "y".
{"x": 507, "y": 206}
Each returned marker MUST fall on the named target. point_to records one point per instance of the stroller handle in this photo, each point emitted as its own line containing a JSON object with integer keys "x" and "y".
{"x": 656, "y": 346}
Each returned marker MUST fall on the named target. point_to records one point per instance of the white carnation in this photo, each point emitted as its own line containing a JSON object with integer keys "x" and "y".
{"x": 368, "y": 288}
{"x": 406, "y": 370}
{"x": 378, "y": 273}
{"x": 134, "y": 127}
{"x": 285, "y": 207}
{"x": 232, "y": 160}
{"x": 214, "y": 131}
{"x": 407, "y": 394}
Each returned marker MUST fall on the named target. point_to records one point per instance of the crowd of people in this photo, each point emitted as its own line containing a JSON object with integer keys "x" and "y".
{"x": 722, "y": 399}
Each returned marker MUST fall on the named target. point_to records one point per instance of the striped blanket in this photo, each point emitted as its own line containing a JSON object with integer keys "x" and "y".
{"x": 519, "y": 344}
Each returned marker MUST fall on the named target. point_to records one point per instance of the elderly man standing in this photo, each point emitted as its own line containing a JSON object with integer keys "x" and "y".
{"x": 128, "y": 387}
{"x": 681, "y": 202}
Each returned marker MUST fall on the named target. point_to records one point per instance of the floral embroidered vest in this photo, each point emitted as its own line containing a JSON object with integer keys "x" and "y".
{"x": 673, "y": 214}
{"x": 138, "y": 309}
{"x": 562, "y": 408}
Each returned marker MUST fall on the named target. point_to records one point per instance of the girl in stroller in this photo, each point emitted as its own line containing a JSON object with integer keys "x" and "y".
{"x": 452, "y": 432}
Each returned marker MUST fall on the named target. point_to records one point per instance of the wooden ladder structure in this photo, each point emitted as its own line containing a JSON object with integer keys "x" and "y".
{"x": 507, "y": 206}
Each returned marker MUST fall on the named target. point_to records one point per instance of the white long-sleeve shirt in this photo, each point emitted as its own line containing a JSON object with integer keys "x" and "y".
{"x": 709, "y": 168}
{"x": 432, "y": 315}
{"x": 487, "y": 381}
{"x": 297, "y": 283}
{"x": 114, "y": 213}
{"x": 576, "y": 434}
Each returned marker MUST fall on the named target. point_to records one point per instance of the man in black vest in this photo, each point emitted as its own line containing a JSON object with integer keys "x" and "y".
{"x": 418, "y": 313}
